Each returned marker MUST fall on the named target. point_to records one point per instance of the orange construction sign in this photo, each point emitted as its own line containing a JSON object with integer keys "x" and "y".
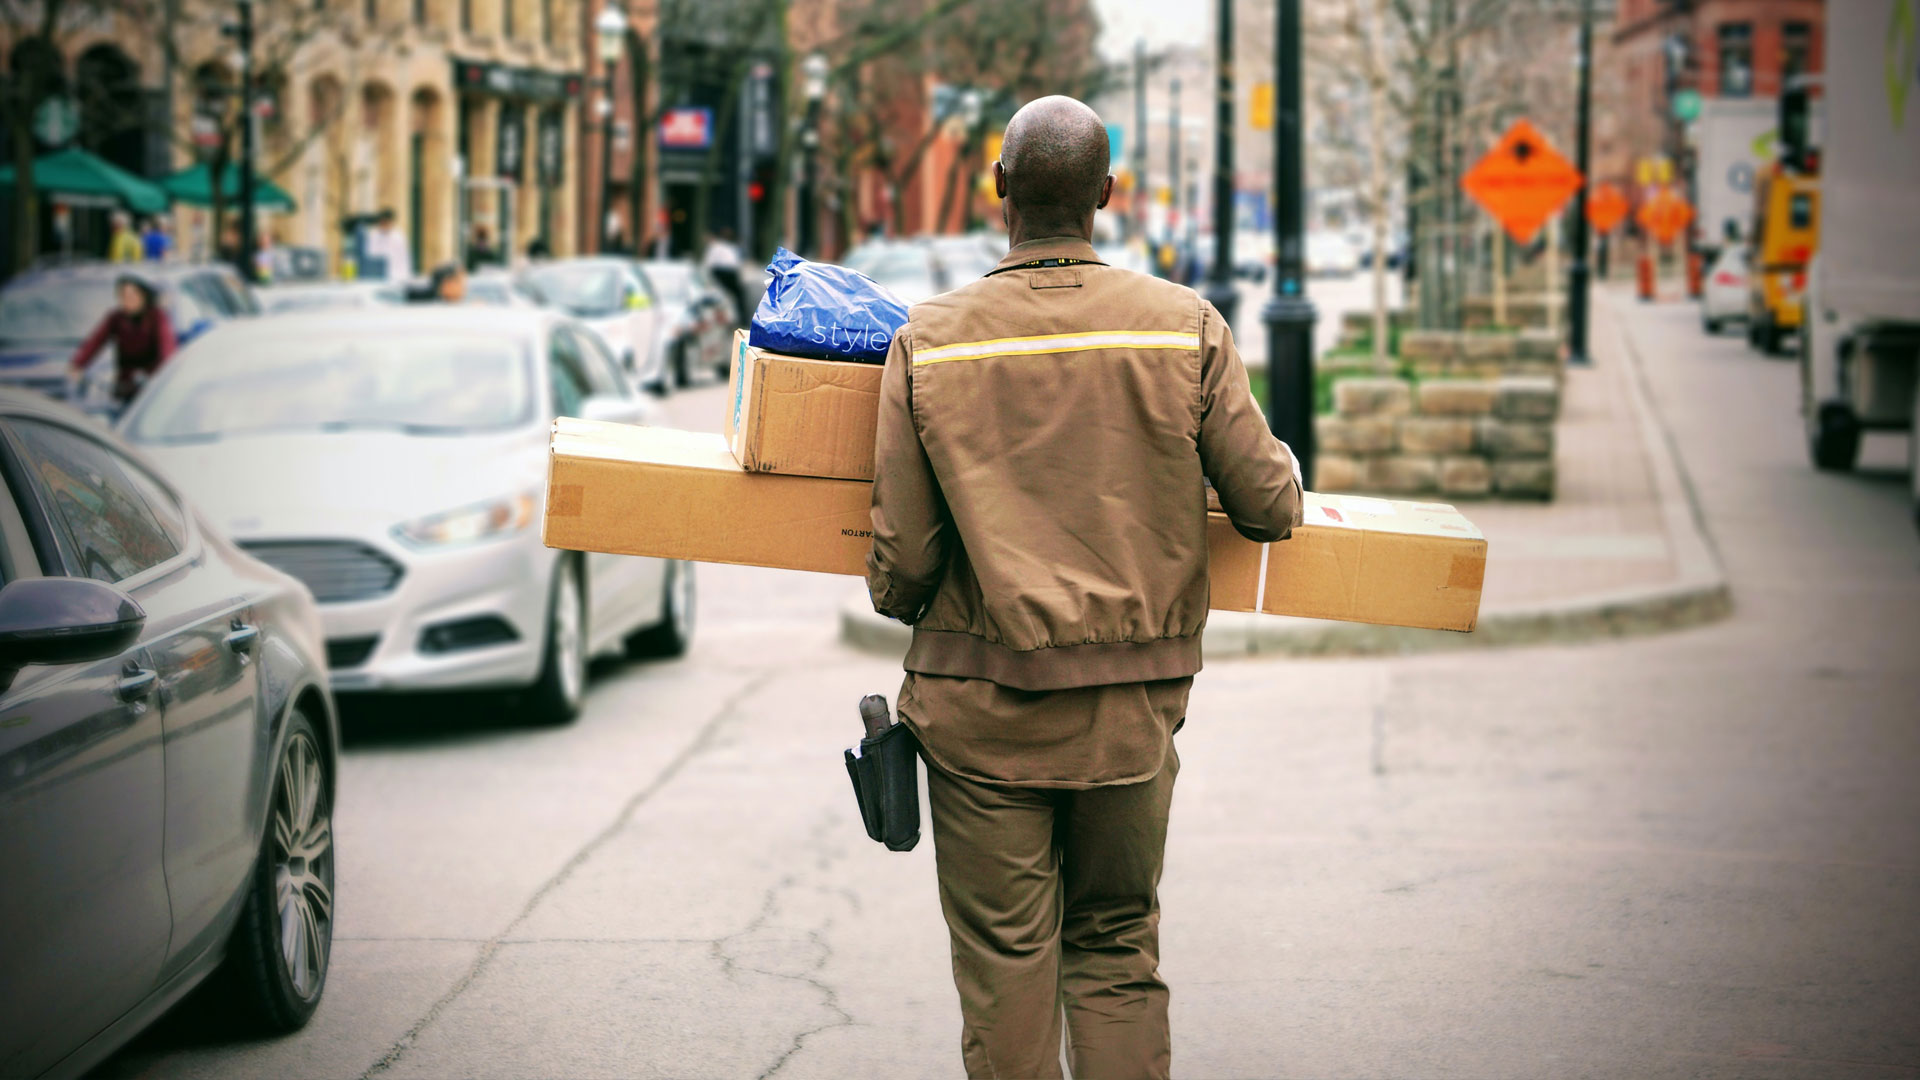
{"x": 1523, "y": 181}
{"x": 1606, "y": 208}
{"x": 1665, "y": 216}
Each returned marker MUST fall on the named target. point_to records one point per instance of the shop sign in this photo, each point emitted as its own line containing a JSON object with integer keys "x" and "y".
{"x": 500, "y": 80}
{"x": 688, "y": 127}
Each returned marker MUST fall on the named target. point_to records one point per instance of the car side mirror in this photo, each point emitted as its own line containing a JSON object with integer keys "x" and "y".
{"x": 612, "y": 409}
{"x": 64, "y": 620}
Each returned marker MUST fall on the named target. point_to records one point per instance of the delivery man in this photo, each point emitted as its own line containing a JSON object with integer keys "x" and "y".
{"x": 1039, "y": 517}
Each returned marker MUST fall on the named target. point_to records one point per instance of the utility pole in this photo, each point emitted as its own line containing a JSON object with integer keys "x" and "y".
{"x": 1140, "y": 192}
{"x": 1577, "y": 273}
{"x": 1289, "y": 314}
{"x": 249, "y": 248}
{"x": 1220, "y": 291}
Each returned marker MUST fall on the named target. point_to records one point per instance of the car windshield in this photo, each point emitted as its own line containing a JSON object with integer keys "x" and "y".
{"x": 64, "y": 310}
{"x": 280, "y": 301}
{"x": 442, "y": 384}
{"x": 585, "y": 290}
{"x": 903, "y": 269}
{"x": 672, "y": 281}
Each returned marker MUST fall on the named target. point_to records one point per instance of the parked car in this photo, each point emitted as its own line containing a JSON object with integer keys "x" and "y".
{"x": 168, "y": 749}
{"x": 1330, "y": 255}
{"x": 46, "y": 314}
{"x": 498, "y": 288}
{"x": 396, "y": 463}
{"x": 290, "y": 264}
{"x": 1723, "y": 296}
{"x": 694, "y": 325}
{"x": 905, "y": 267}
{"x": 612, "y": 296}
{"x": 329, "y": 296}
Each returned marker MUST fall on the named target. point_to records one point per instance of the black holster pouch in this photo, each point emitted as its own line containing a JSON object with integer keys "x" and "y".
{"x": 886, "y": 783}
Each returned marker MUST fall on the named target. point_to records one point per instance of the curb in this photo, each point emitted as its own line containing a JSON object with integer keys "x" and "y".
{"x": 1699, "y": 595}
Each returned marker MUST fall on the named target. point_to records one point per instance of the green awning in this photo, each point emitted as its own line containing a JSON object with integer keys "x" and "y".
{"x": 76, "y": 172}
{"x": 193, "y": 187}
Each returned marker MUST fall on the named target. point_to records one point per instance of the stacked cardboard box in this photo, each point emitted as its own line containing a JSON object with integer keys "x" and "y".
{"x": 789, "y": 486}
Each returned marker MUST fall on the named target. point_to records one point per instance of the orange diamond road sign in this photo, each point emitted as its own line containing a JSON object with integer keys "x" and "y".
{"x": 1606, "y": 208}
{"x": 1664, "y": 216}
{"x": 1523, "y": 181}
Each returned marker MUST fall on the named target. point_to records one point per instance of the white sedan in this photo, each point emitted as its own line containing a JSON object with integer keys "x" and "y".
{"x": 1723, "y": 296}
{"x": 395, "y": 462}
{"x": 612, "y": 296}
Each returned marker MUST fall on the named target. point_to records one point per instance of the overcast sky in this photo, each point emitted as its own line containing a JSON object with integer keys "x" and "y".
{"x": 1160, "y": 22}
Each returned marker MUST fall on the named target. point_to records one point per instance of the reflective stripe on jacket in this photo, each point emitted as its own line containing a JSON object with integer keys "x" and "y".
{"x": 1039, "y": 514}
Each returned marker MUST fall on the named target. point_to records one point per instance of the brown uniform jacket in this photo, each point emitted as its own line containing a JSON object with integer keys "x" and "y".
{"x": 1038, "y": 510}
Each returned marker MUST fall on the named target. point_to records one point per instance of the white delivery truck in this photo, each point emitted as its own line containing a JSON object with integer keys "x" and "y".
{"x": 1861, "y": 350}
{"x": 1733, "y": 143}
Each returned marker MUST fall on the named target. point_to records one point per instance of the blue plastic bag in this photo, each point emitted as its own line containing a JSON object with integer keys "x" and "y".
{"x": 825, "y": 312}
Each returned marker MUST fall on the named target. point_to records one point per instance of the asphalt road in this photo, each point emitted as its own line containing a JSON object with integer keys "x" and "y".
{"x": 1692, "y": 855}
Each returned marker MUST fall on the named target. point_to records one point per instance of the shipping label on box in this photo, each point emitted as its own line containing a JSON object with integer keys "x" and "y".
{"x": 681, "y": 495}
{"x": 801, "y": 417}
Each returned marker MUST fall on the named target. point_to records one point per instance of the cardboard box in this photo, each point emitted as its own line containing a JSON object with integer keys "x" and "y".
{"x": 681, "y": 495}
{"x": 801, "y": 417}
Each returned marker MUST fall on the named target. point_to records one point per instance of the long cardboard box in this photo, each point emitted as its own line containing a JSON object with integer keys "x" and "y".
{"x": 801, "y": 417}
{"x": 681, "y": 495}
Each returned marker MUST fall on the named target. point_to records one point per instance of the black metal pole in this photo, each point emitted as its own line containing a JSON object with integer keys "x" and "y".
{"x": 1140, "y": 192}
{"x": 1289, "y": 314}
{"x": 809, "y": 182}
{"x": 606, "y": 159}
{"x": 1577, "y": 273}
{"x": 249, "y": 267}
{"x": 1220, "y": 291}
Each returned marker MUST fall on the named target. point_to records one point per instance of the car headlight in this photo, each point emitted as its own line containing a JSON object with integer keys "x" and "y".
{"x": 465, "y": 524}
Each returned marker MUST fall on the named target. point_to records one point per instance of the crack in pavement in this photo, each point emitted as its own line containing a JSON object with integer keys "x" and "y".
{"x": 700, "y": 744}
{"x": 810, "y": 975}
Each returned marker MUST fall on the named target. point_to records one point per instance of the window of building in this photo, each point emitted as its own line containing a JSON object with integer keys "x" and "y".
{"x": 1796, "y": 50}
{"x": 370, "y": 9}
{"x": 506, "y": 18}
{"x": 1736, "y": 59}
{"x": 466, "y": 16}
{"x": 546, "y": 21}
{"x": 419, "y": 12}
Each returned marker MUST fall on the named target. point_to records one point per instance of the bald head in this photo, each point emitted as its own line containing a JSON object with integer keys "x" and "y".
{"x": 1053, "y": 167}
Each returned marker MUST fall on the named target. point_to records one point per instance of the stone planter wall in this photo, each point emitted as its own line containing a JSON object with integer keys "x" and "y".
{"x": 1453, "y": 437}
{"x": 1481, "y": 354}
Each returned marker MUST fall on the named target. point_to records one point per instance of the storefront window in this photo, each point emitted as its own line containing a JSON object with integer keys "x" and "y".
{"x": 1796, "y": 50}
{"x": 1736, "y": 59}
{"x": 506, "y": 19}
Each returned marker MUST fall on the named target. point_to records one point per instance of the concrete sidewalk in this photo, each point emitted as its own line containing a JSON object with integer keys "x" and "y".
{"x": 1620, "y": 550}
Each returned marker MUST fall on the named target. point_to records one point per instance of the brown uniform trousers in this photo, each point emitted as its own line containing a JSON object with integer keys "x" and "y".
{"x": 1051, "y": 899}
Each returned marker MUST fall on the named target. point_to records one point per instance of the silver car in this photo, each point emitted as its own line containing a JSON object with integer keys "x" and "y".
{"x": 613, "y": 297}
{"x": 395, "y": 462}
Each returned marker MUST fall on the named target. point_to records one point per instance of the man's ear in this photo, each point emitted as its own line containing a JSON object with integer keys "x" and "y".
{"x": 1106, "y": 192}
{"x": 999, "y": 180}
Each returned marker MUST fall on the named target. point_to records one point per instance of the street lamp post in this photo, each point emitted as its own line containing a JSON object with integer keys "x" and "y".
{"x": 814, "y": 77}
{"x": 1289, "y": 315}
{"x": 1220, "y": 291}
{"x": 610, "y": 28}
{"x": 243, "y": 38}
{"x": 1577, "y": 273}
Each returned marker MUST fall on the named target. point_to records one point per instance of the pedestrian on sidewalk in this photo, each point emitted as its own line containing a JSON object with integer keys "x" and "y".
{"x": 1039, "y": 517}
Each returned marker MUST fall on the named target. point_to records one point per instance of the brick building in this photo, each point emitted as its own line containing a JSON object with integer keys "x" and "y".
{"x": 1716, "y": 48}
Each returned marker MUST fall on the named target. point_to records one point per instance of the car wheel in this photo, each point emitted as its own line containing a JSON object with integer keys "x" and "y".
{"x": 279, "y": 956}
{"x": 682, "y": 377}
{"x": 556, "y": 697}
{"x": 674, "y": 632}
{"x": 1833, "y": 440}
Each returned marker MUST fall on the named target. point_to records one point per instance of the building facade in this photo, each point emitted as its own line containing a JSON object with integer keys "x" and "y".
{"x": 1665, "y": 49}
{"x": 461, "y": 116}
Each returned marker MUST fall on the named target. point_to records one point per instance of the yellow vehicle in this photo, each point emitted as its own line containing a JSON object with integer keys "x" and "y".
{"x": 1786, "y": 230}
